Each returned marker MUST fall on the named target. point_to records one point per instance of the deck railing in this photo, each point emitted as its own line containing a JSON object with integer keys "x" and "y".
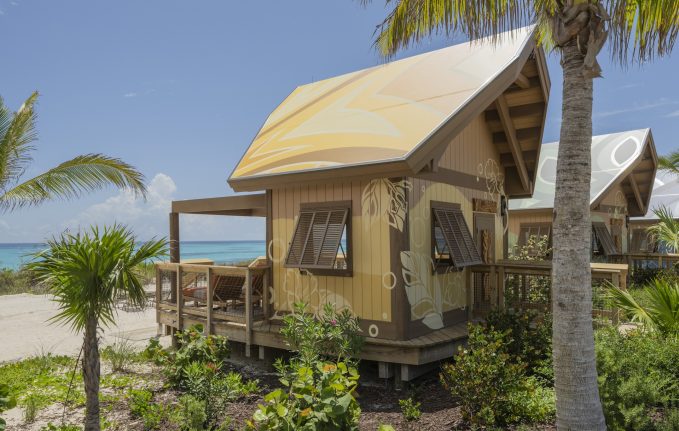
{"x": 213, "y": 294}
{"x": 651, "y": 260}
{"x": 517, "y": 285}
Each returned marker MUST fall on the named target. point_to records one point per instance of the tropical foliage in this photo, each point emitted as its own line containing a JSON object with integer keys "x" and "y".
{"x": 666, "y": 230}
{"x": 660, "y": 310}
{"x": 669, "y": 163}
{"x": 84, "y": 173}
{"x": 86, "y": 273}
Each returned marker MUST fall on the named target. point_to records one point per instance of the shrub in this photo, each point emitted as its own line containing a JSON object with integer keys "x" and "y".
{"x": 120, "y": 354}
{"x": 638, "y": 374}
{"x": 317, "y": 394}
{"x": 670, "y": 422}
{"x": 331, "y": 335}
{"x": 191, "y": 413}
{"x": 410, "y": 409}
{"x": 194, "y": 348}
{"x": 7, "y": 401}
{"x": 491, "y": 387}
{"x": 30, "y": 408}
{"x": 141, "y": 405}
{"x": 13, "y": 282}
{"x": 528, "y": 341}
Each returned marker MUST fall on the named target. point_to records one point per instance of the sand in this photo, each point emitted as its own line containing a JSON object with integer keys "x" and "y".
{"x": 25, "y": 330}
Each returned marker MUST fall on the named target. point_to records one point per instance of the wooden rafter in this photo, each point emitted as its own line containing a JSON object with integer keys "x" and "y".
{"x": 512, "y": 140}
{"x": 522, "y": 81}
{"x": 637, "y": 194}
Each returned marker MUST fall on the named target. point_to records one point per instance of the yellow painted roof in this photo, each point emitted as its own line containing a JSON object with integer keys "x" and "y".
{"x": 375, "y": 115}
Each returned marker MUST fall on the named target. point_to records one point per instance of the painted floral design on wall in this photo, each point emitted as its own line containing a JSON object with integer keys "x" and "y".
{"x": 429, "y": 295}
{"x": 495, "y": 181}
{"x": 385, "y": 198}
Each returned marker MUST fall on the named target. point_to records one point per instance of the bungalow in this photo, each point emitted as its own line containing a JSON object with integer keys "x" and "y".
{"x": 623, "y": 168}
{"x": 380, "y": 188}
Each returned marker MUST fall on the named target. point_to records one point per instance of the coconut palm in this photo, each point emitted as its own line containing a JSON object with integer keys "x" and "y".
{"x": 669, "y": 163}
{"x": 660, "y": 310}
{"x": 666, "y": 230}
{"x": 67, "y": 180}
{"x": 86, "y": 272}
{"x": 637, "y": 30}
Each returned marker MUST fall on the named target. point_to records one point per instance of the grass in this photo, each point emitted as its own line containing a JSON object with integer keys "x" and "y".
{"x": 13, "y": 282}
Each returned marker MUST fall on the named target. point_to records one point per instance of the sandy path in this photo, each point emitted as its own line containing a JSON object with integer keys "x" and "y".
{"x": 25, "y": 330}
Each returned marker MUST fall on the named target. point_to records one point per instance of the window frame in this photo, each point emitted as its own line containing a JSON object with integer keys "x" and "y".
{"x": 522, "y": 242}
{"x": 439, "y": 266}
{"x": 318, "y": 270}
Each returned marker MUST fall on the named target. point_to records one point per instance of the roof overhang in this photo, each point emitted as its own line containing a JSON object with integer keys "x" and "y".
{"x": 253, "y": 205}
{"x": 510, "y": 84}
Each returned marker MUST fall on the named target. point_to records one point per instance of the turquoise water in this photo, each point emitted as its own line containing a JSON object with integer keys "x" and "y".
{"x": 14, "y": 255}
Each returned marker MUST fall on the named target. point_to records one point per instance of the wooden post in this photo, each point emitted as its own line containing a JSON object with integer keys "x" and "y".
{"x": 248, "y": 311}
{"x": 174, "y": 253}
{"x": 159, "y": 287}
{"x": 210, "y": 299}
{"x": 180, "y": 302}
{"x": 501, "y": 287}
{"x": 492, "y": 279}
{"x": 469, "y": 277}
{"x": 266, "y": 306}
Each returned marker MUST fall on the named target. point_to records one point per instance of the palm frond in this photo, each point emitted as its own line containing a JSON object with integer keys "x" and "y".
{"x": 17, "y": 133}
{"x": 641, "y": 30}
{"x": 666, "y": 230}
{"x": 669, "y": 163}
{"x": 661, "y": 313}
{"x": 72, "y": 178}
{"x": 86, "y": 272}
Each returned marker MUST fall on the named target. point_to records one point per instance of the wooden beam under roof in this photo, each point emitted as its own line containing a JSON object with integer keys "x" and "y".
{"x": 637, "y": 194}
{"x": 514, "y": 145}
{"x": 522, "y": 81}
{"x": 243, "y": 205}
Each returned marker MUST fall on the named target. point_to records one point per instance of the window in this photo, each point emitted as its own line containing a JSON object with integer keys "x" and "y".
{"x": 321, "y": 242}
{"x": 602, "y": 242}
{"x": 537, "y": 230}
{"x": 642, "y": 241}
{"x": 451, "y": 241}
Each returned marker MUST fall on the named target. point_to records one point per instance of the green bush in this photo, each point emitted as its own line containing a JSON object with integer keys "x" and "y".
{"x": 120, "y": 354}
{"x": 317, "y": 393}
{"x": 7, "y": 401}
{"x": 191, "y": 413}
{"x": 13, "y": 282}
{"x": 410, "y": 409}
{"x": 528, "y": 341}
{"x": 319, "y": 398}
{"x": 491, "y": 386}
{"x": 30, "y": 408}
{"x": 154, "y": 352}
{"x": 194, "y": 347}
{"x": 670, "y": 422}
{"x": 153, "y": 415}
{"x": 638, "y": 375}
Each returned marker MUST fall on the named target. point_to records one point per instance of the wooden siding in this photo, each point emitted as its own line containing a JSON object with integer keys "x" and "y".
{"x": 363, "y": 293}
{"x": 471, "y": 152}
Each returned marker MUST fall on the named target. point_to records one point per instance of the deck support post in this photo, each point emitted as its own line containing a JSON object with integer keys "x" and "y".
{"x": 248, "y": 311}
{"x": 410, "y": 372}
{"x": 159, "y": 286}
{"x": 266, "y": 306}
{"x": 174, "y": 253}
{"x": 385, "y": 370}
{"x": 210, "y": 294}
{"x": 180, "y": 304}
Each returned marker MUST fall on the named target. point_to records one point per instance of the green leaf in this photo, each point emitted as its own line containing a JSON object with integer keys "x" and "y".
{"x": 281, "y": 410}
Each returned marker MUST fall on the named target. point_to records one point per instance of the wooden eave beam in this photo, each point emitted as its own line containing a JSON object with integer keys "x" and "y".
{"x": 522, "y": 81}
{"x": 512, "y": 140}
{"x": 637, "y": 194}
{"x": 236, "y": 205}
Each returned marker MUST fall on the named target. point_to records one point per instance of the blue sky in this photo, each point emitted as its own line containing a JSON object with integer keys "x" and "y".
{"x": 180, "y": 88}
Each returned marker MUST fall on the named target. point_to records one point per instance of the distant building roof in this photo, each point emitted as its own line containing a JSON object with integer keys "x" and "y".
{"x": 617, "y": 158}
{"x": 665, "y": 193}
{"x": 381, "y": 115}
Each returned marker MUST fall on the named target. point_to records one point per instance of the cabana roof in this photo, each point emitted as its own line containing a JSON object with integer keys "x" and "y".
{"x": 627, "y": 158}
{"x": 665, "y": 193}
{"x": 396, "y": 118}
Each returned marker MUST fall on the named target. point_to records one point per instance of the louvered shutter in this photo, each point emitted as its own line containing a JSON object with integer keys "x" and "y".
{"x": 457, "y": 236}
{"x": 316, "y": 238}
{"x": 605, "y": 238}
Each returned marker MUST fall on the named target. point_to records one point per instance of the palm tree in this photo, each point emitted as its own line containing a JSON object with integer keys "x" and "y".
{"x": 666, "y": 230}
{"x": 669, "y": 163}
{"x": 67, "y": 180}
{"x": 86, "y": 272}
{"x": 659, "y": 311}
{"x": 638, "y": 30}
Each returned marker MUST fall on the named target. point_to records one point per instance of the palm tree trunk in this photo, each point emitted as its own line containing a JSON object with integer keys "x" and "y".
{"x": 578, "y": 406}
{"x": 91, "y": 372}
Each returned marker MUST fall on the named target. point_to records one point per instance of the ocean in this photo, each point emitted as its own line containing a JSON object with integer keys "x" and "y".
{"x": 13, "y": 255}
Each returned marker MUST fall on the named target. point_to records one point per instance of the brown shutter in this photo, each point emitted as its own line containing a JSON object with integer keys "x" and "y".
{"x": 457, "y": 236}
{"x": 604, "y": 238}
{"x": 316, "y": 238}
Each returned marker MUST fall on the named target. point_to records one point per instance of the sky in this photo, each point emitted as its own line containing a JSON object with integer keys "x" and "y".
{"x": 179, "y": 89}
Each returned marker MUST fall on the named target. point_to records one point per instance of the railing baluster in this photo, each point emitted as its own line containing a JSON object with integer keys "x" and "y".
{"x": 248, "y": 311}
{"x": 210, "y": 299}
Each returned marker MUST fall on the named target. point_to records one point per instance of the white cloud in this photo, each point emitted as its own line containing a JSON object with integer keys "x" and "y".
{"x": 672, "y": 114}
{"x": 2, "y": 12}
{"x": 636, "y": 108}
{"x": 128, "y": 95}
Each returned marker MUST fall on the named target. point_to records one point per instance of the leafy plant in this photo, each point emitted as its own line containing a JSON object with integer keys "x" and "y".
{"x": 191, "y": 413}
{"x": 410, "y": 409}
{"x": 491, "y": 387}
{"x": 30, "y": 408}
{"x": 120, "y": 354}
{"x": 666, "y": 230}
{"x": 154, "y": 351}
{"x": 63, "y": 427}
{"x": 661, "y": 311}
{"x": 7, "y": 401}
{"x": 194, "y": 347}
{"x": 536, "y": 248}
{"x": 141, "y": 405}
{"x": 318, "y": 398}
{"x": 331, "y": 335}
